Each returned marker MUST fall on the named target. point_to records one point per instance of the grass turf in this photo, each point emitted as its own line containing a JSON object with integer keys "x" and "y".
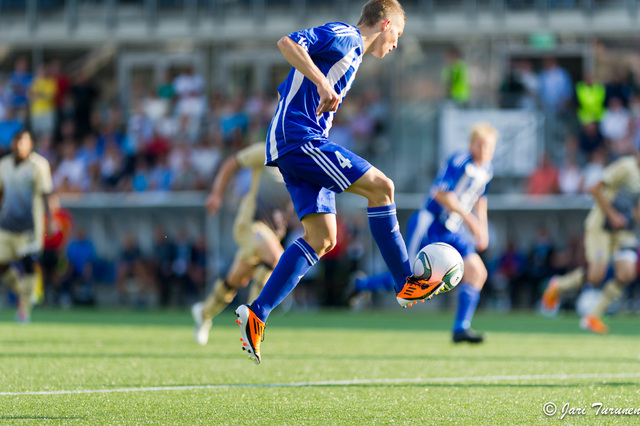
{"x": 98, "y": 350}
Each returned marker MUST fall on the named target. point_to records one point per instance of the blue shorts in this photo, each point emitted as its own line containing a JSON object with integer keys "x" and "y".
{"x": 316, "y": 171}
{"x": 422, "y": 229}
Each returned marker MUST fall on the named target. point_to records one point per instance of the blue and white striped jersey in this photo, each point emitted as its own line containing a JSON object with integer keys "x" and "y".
{"x": 466, "y": 179}
{"x": 336, "y": 49}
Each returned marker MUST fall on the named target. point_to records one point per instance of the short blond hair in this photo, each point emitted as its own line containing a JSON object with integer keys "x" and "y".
{"x": 375, "y": 11}
{"x": 485, "y": 131}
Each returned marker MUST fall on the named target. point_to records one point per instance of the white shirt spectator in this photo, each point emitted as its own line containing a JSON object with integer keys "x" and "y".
{"x": 73, "y": 170}
{"x": 188, "y": 84}
{"x": 204, "y": 160}
{"x": 615, "y": 124}
{"x": 570, "y": 179}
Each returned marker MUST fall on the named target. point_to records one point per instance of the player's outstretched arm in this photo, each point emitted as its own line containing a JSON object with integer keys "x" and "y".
{"x": 617, "y": 220}
{"x": 227, "y": 171}
{"x": 450, "y": 201}
{"x": 299, "y": 58}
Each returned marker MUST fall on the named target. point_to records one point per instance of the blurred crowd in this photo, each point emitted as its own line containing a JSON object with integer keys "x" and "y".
{"x": 589, "y": 123}
{"x": 166, "y": 138}
{"x": 173, "y": 136}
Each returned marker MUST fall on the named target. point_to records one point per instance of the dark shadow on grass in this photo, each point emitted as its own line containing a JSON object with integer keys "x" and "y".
{"x": 380, "y": 320}
{"x": 40, "y": 418}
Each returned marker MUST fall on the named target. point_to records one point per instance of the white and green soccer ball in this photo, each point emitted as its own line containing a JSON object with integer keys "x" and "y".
{"x": 439, "y": 262}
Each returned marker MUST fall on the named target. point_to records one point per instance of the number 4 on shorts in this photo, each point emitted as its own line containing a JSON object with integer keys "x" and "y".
{"x": 344, "y": 162}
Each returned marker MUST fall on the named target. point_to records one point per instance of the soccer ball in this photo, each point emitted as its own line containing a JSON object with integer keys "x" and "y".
{"x": 439, "y": 262}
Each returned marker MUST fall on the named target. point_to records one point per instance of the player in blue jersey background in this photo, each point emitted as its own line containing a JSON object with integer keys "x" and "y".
{"x": 324, "y": 63}
{"x": 456, "y": 198}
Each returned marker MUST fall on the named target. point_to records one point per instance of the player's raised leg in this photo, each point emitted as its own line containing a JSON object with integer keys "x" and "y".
{"x": 381, "y": 211}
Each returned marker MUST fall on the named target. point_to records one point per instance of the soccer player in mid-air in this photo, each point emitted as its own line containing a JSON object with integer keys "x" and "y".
{"x": 456, "y": 198}
{"x": 608, "y": 236}
{"x": 324, "y": 63}
{"x": 25, "y": 184}
{"x": 257, "y": 230}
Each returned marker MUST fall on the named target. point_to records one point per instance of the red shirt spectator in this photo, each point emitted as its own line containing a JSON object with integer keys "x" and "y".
{"x": 544, "y": 180}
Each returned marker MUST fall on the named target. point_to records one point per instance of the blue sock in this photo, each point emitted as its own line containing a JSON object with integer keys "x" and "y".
{"x": 383, "y": 281}
{"x": 386, "y": 233}
{"x": 294, "y": 263}
{"x": 468, "y": 298}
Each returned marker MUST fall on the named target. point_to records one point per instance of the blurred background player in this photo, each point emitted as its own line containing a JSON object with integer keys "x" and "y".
{"x": 460, "y": 187}
{"x": 259, "y": 226}
{"x": 324, "y": 63}
{"x": 25, "y": 184}
{"x": 608, "y": 237}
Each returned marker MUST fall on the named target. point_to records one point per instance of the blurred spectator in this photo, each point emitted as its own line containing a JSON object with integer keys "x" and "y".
{"x": 111, "y": 166}
{"x": 512, "y": 89}
{"x": 44, "y": 147}
{"x": 555, "y": 86}
{"x": 590, "y": 138}
{"x": 634, "y": 107}
{"x": 341, "y": 134}
{"x": 77, "y": 285}
{"x": 88, "y": 152}
{"x": 9, "y": 126}
{"x": 65, "y": 120}
{"x": 155, "y": 107}
{"x": 139, "y": 130}
{"x": 234, "y": 121}
{"x": 592, "y": 172}
{"x": 617, "y": 87}
{"x": 190, "y": 107}
{"x": 6, "y": 96}
{"x": 455, "y": 77}
{"x": 616, "y": 128}
{"x": 85, "y": 96}
{"x": 161, "y": 178}
{"x": 141, "y": 177}
{"x": 538, "y": 266}
{"x": 544, "y": 179}
{"x": 42, "y": 97}
{"x": 55, "y": 241}
{"x": 590, "y": 96}
{"x": 166, "y": 90}
{"x": 133, "y": 282}
{"x": 509, "y": 275}
{"x": 161, "y": 264}
{"x": 198, "y": 269}
{"x": 20, "y": 80}
{"x": 570, "y": 174}
{"x": 157, "y": 146}
{"x": 62, "y": 82}
{"x": 531, "y": 82}
{"x": 206, "y": 156}
{"x": 71, "y": 172}
{"x": 180, "y": 267}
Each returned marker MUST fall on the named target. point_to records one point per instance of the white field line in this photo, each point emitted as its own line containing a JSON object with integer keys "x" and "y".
{"x": 424, "y": 381}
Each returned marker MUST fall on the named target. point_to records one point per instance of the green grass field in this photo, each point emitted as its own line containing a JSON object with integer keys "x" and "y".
{"x": 323, "y": 368}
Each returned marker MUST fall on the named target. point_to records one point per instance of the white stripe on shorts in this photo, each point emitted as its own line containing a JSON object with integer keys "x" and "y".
{"x": 324, "y": 166}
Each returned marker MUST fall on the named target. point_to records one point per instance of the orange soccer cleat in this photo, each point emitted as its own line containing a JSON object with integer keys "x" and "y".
{"x": 416, "y": 290}
{"x": 551, "y": 298}
{"x": 594, "y": 324}
{"x": 252, "y": 330}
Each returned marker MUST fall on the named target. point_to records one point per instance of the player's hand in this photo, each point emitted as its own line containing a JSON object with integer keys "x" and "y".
{"x": 329, "y": 99}
{"x": 213, "y": 203}
{"x": 617, "y": 220}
